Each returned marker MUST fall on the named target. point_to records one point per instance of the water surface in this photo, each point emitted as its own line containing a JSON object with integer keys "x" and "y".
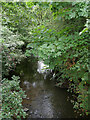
{"x": 44, "y": 100}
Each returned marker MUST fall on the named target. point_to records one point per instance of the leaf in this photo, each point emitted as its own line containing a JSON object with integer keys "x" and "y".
{"x": 84, "y": 30}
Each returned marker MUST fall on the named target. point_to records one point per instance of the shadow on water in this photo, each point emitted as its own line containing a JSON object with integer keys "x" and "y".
{"x": 44, "y": 100}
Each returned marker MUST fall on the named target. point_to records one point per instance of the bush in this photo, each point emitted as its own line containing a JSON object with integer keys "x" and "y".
{"x": 12, "y": 96}
{"x": 11, "y": 50}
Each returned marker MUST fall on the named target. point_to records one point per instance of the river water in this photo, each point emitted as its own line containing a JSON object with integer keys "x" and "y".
{"x": 44, "y": 100}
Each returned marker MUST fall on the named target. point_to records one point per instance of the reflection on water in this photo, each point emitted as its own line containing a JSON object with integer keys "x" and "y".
{"x": 42, "y": 67}
{"x": 44, "y": 100}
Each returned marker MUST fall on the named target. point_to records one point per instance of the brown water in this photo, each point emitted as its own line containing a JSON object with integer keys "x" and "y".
{"x": 44, "y": 100}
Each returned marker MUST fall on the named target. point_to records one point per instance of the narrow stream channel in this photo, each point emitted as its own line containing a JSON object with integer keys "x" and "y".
{"x": 44, "y": 100}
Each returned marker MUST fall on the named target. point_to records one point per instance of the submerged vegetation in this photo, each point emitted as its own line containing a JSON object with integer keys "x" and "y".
{"x": 58, "y": 34}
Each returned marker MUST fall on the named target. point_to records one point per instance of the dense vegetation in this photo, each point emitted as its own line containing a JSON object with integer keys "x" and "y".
{"x": 58, "y": 33}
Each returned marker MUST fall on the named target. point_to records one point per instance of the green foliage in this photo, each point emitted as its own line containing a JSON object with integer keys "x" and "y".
{"x": 12, "y": 96}
{"x": 58, "y": 33}
{"x": 63, "y": 44}
{"x": 14, "y": 18}
{"x": 11, "y": 50}
{"x": 11, "y": 41}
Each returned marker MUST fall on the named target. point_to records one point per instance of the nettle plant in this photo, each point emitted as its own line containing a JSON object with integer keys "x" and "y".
{"x": 12, "y": 97}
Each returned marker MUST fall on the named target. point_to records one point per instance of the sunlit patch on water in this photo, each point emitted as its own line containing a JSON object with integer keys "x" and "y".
{"x": 43, "y": 69}
{"x": 34, "y": 84}
{"x": 27, "y": 84}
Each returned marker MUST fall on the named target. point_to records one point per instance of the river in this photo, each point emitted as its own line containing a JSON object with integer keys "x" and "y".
{"x": 44, "y": 100}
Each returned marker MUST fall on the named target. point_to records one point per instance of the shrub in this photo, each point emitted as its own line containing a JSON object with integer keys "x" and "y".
{"x": 12, "y": 96}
